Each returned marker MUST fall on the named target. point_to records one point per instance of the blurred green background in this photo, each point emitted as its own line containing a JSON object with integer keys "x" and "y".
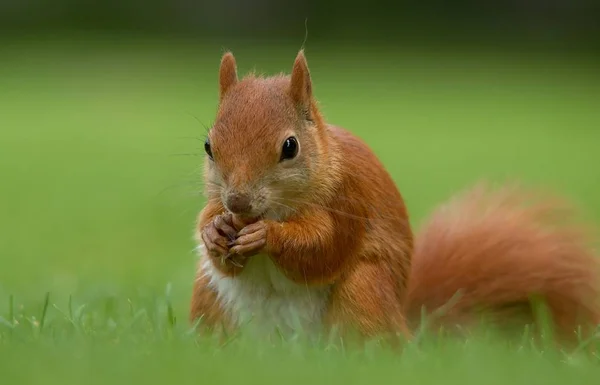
{"x": 103, "y": 108}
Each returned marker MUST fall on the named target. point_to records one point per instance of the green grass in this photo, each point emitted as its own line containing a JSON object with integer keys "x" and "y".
{"x": 100, "y": 163}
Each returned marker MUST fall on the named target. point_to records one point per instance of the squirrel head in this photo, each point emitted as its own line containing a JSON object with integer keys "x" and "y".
{"x": 268, "y": 144}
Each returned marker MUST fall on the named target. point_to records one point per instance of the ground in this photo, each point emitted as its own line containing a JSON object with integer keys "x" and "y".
{"x": 100, "y": 160}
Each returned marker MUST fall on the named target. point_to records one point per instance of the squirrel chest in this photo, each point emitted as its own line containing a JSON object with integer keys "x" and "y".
{"x": 263, "y": 300}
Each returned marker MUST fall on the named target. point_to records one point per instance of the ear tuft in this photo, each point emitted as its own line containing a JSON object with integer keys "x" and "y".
{"x": 227, "y": 73}
{"x": 301, "y": 84}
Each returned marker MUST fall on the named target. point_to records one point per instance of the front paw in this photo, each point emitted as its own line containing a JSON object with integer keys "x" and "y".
{"x": 216, "y": 235}
{"x": 251, "y": 240}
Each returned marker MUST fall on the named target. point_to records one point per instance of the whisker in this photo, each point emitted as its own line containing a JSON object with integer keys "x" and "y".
{"x": 337, "y": 197}
{"x": 206, "y": 128}
{"x": 344, "y": 213}
{"x": 190, "y": 154}
{"x": 191, "y": 137}
{"x": 335, "y": 211}
{"x": 283, "y": 205}
{"x": 175, "y": 185}
{"x": 214, "y": 184}
{"x": 288, "y": 176}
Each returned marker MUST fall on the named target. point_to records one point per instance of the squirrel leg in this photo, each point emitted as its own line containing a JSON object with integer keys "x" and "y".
{"x": 367, "y": 300}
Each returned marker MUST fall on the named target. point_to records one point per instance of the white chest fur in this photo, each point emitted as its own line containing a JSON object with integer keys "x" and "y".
{"x": 261, "y": 299}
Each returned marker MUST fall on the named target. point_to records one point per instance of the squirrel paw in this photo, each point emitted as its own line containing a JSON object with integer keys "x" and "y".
{"x": 216, "y": 235}
{"x": 251, "y": 240}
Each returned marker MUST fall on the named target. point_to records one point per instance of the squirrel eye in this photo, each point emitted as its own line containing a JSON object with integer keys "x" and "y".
{"x": 207, "y": 149}
{"x": 290, "y": 148}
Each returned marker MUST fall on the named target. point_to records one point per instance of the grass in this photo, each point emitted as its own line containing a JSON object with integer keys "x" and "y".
{"x": 100, "y": 159}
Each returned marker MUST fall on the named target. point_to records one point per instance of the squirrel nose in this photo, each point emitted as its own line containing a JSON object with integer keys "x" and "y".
{"x": 238, "y": 203}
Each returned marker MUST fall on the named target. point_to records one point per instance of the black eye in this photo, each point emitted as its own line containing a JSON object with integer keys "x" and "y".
{"x": 290, "y": 148}
{"x": 207, "y": 149}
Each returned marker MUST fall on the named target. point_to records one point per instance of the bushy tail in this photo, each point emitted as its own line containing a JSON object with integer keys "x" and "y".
{"x": 498, "y": 249}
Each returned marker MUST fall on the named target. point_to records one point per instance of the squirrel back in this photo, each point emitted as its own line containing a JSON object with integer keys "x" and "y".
{"x": 499, "y": 250}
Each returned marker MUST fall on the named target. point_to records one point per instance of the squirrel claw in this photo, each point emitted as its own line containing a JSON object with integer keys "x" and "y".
{"x": 235, "y": 263}
{"x": 229, "y": 258}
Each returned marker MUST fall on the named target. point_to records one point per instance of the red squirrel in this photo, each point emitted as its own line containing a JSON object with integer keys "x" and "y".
{"x": 305, "y": 230}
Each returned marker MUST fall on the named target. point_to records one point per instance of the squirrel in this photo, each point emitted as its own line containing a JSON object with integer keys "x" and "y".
{"x": 305, "y": 230}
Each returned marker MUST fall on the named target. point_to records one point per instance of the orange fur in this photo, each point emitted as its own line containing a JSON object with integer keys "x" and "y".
{"x": 332, "y": 219}
{"x": 500, "y": 248}
{"x": 227, "y": 74}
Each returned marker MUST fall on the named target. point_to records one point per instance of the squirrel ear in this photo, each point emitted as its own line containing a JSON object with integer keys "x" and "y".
{"x": 227, "y": 73}
{"x": 301, "y": 85}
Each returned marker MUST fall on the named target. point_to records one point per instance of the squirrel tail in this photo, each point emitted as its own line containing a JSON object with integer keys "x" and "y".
{"x": 490, "y": 252}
